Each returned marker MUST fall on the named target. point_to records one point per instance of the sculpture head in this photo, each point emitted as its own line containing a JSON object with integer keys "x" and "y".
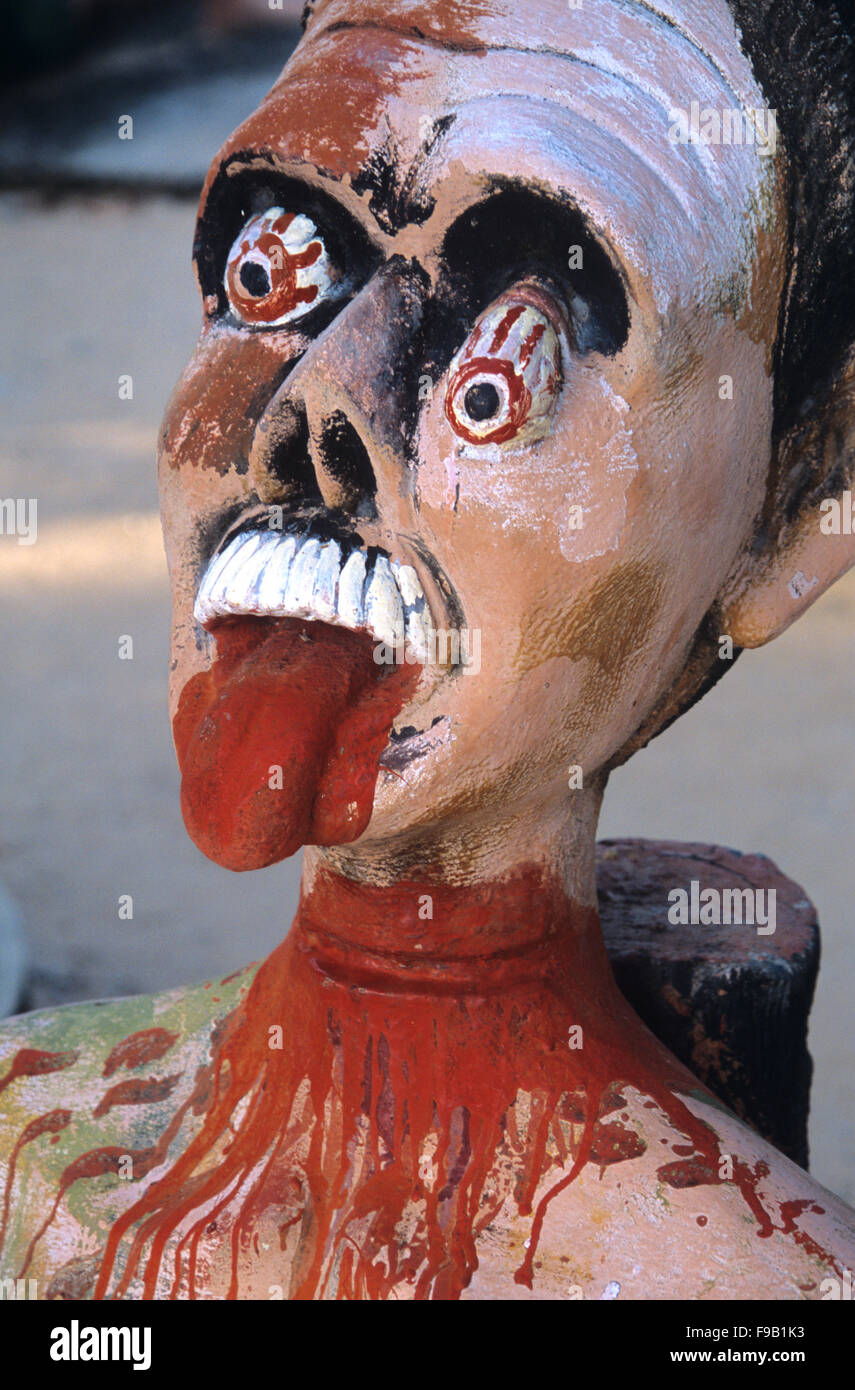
{"x": 489, "y": 347}
{"x": 489, "y": 302}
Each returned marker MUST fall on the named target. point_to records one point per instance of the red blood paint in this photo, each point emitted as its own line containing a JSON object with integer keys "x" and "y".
{"x": 790, "y": 1211}
{"x": 303, "y": 697}
{"x": 614, "y": 1144}
{"x": 421, "y": 1095}
{"x": 689, "y": 1172}
{"x": 51, "y": 1123}
{"x": 227, "y": 979}
{"x": 698, "y": 1171}
{"x": 148, "y": 1045}
{"x": 137, "y": 1091}
{"x": 407, "y": 1140}
{"x": 30, "y": 1061}
{"x": 96, "y": 1162}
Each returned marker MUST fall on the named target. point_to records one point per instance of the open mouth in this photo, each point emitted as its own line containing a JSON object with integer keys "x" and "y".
{"x": 286, "y": 574}
{"x": 321, "y": 642}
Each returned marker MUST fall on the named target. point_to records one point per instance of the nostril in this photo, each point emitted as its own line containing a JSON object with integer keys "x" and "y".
{"x": 345, "y": 458}
{"x": 289, "y": 465}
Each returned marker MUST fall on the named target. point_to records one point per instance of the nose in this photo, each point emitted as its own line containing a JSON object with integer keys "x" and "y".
{"x": 337, "y": 429}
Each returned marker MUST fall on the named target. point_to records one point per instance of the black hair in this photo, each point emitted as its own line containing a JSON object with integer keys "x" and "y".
{"x": 803, "y": 56}
{"x": 802, "y": 53}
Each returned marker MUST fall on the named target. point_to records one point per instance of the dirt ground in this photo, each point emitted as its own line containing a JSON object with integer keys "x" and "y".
{"x": 89, "y": 792}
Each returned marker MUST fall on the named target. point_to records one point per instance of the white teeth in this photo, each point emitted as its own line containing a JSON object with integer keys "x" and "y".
{"x": 301, "y": 580}
{"x": 204, "y": 609}
{"x": 384, "y": 612}
{"x": 326, "y": 579}
{"x": 274, "y": 580}
{"x": 269, "y": 574}
{"x": 415, "y": 608}
{"x": 350, "y": 586}
{"x": 255, "y": 577}
{"x": 408, "y": 584}
{"x": 240, "y": 579}
{"x": 227, "y": 580}
{"x": 418, "y": 633}
{"x": 215, "y": 569}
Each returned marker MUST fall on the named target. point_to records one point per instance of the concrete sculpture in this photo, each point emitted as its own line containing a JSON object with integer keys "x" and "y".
{"x": 525, "y": 369}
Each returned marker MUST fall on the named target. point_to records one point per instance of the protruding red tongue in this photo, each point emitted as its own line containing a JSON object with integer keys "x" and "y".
{"x": 279, "y": 742}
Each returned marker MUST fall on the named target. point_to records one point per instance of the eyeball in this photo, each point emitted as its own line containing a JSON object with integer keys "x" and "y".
{"x": 503, "y": 383}
{"x": 277, "y": 268}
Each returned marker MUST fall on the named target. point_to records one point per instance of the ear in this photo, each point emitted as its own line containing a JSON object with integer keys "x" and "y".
{"x": 818, "y": 545}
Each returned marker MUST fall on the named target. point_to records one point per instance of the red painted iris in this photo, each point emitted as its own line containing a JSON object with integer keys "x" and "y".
{"x": 277, "y": 268}
{"x": 504, "y": 381}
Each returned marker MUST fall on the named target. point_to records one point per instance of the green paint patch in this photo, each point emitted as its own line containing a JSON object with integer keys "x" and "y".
{"x": 93, "y": 1030}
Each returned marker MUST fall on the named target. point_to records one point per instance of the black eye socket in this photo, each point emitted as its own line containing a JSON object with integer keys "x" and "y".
{"x": 516, "y": 233}
{"x": 238, "y": 194}
{"x": 482, "y": 401}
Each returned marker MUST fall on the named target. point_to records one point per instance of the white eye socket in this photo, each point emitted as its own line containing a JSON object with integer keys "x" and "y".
{"x": 277, "y": 268}
{"x": 503, "y": 383}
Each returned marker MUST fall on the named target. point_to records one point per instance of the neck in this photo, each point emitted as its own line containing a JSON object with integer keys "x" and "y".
{"x": 422, "y": 1053}
{"x": 487, "y": 908}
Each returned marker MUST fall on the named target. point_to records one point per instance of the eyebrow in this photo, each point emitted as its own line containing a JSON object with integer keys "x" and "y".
{"x": 394, "y": 201}
{"x": 397, "y": 202}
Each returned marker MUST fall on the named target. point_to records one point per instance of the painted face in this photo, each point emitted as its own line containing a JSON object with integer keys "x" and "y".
{"x": 486, "y": 354}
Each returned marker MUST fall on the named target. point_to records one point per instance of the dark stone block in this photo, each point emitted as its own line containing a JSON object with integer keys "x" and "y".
{"x": 733, "y": 1005}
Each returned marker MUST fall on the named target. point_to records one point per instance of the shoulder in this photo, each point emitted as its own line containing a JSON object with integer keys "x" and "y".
{"x": 725, "y": 1216}
{"x": 78, "y": 1051}
{"x": 134, "y": 1028}
{"x": 88, "y": 1095}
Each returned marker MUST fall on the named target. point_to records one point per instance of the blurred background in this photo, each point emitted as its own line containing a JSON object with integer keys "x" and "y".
{"x": 97, "y": 284}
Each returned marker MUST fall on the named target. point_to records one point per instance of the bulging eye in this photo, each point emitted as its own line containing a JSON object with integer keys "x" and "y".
{"x": 503, "y": 383}
{"x": 277, "y": 268}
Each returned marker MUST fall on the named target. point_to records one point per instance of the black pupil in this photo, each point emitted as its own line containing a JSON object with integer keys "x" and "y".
{"x": 255, "y": 279}
{"x": 481, "y": 401}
